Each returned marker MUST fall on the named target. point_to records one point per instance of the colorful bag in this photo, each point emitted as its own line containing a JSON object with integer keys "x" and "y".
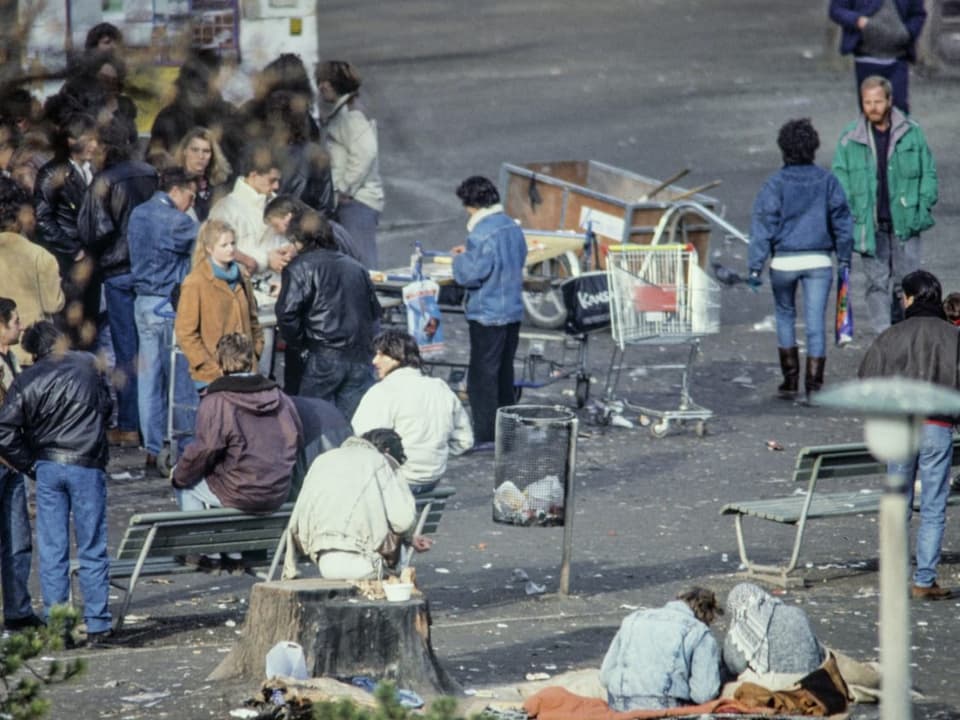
{"x": 844, "y": 311}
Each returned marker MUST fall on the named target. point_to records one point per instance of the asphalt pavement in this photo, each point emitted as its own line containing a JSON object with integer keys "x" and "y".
{"x": 652, "y": 86}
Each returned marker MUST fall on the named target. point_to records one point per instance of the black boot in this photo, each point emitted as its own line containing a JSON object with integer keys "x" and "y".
{"x": 814, "y": 378}
{"x": 790, "y": 366}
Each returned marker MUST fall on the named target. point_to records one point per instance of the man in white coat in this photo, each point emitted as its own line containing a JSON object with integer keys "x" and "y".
{"x": 425, "y": 412}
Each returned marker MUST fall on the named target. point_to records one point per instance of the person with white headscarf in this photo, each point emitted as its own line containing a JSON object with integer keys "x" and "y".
{"x": 768, "y": 636}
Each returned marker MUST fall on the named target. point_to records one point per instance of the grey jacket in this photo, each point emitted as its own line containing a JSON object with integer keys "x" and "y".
{"x": 661, "y": 658}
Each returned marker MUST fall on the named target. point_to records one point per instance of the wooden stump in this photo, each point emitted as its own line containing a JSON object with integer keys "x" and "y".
{"x": 342, "y": 634}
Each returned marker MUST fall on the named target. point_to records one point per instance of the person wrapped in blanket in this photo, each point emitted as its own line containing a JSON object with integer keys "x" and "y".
{"x": 665, "y": 657}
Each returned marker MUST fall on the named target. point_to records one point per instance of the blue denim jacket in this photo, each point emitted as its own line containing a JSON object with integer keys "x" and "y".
{"x": 660, "y": 658}
{"x": 491, "y": 270}
{"x": 800, "y": 209}
{"x": 161, "y": 239}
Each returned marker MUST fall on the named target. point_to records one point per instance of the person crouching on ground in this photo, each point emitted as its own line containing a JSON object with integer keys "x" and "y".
{"x": 768, "y": 636}
{"x": 665, "y": 657}
{"x": 352, "y": 499}
{"x": 53, "y": 427}
{"x": 423, "y": 410}
{"x": 246, "y": 439}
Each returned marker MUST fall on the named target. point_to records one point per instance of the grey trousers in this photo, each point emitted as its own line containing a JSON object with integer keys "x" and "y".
{"x": 883, "y": 273}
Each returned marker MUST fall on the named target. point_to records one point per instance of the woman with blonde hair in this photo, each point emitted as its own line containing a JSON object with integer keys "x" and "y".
{"x": 216, "y": 298}
{"x": 199, "y": 154}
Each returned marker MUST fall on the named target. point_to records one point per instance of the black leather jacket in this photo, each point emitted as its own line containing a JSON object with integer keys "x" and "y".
{"x": 102, "y": 223}
{"x": 57, "y": 410}
{"x": 306, "y": 175}
{"x": 328, "y": 302}
{"x": 57, "y": 198}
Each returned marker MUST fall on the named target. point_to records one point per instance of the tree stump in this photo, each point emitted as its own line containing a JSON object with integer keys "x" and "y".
{"x": 342, "y": 634}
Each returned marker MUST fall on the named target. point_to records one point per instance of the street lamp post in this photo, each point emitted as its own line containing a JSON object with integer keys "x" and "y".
{"x": 894, "y": 410}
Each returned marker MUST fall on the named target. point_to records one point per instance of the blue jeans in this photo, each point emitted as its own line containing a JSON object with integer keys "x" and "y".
{"x": 17, "y": 550}
{"x": 361, "y": 222}
{"x": 816, "y": 290}
{"x": 933, "y": 462}
{"x": 120, "y": 298}
{"x": 63, "y": 490}
{"x": 153, "y": 381}
{"x": 334, "y": 377}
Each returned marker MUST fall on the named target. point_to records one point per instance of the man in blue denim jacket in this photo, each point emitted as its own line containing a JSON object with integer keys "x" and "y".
{"x": 665, "y": 657}
{"x": 490, "y": 267}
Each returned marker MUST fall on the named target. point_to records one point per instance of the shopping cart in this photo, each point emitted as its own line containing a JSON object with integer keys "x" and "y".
{"x": 182, "y": 398}
{"x": 660, "y": 295}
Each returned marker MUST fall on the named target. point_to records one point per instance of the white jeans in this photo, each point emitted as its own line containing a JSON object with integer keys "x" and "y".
{"x": 342, "y": 565}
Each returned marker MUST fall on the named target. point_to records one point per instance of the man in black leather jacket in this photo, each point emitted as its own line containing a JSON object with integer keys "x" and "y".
{"x": 60, "y": 188}
{"x": 102, "y": 227}
{"x": 53, "y": 427}
{"x": 329, "y": 309}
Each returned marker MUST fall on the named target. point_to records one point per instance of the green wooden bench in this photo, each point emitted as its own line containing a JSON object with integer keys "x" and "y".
{"x": 152, "y": 541}
{"x": 822, "y": 462}
{"x": 430, "y": 507}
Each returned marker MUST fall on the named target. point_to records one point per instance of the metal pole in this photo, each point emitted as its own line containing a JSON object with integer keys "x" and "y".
{"x": 568, "y": 509}
{"x": 894, "y": 601}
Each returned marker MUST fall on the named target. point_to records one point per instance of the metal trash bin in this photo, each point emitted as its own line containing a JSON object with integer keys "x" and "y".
{"x": 534, "y": 464}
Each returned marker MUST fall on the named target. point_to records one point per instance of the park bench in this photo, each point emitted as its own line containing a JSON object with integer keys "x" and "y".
{"x": 152, "y": 541}
{"x": 430, "y": 507}
{"x": 823, "y": 462}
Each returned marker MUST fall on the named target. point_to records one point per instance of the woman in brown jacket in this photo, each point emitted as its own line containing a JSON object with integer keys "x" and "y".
{"x": 215, "y": 299}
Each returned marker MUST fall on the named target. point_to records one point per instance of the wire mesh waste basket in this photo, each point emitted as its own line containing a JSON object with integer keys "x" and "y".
{"x": 532, "y": 464}
{"x": 534, "y": 467}
{"x": 659, "y": 295}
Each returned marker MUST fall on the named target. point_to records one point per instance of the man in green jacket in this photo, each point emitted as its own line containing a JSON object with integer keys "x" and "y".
{"x": 890, "y": 179}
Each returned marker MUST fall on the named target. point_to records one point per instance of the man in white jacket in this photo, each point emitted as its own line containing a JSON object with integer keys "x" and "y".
{"x": 351, "y": 499}
{"x": 425, "y": 412}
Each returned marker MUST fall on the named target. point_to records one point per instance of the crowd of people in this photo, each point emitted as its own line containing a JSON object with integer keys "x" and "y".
{"x": 115, "y": 250}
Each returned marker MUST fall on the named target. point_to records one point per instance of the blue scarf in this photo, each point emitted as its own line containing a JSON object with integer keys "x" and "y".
{"x": 230, "y": 275}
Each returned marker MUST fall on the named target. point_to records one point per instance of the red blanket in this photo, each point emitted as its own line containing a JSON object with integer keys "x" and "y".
{"x": 555, "y": 703}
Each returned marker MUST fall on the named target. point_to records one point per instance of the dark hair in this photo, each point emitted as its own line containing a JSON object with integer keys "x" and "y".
{"x": 478, "y": 192}
{"x": 951, "y": 307}
{"x": 176, "y": 177}
{"x": 40, "y": 339}
{"x": 703, "y": 603}
{"x": 72, "y": 128}
{"x": 287, "y": 72}
{"x": 922, "y": 286}
{"x": 386, "y": 441}
{"x": 12, "y": 199}
{"x": 102, "y": 30}
{"x": 341, "y": 75}
{"x": 114, "y": 136}
{"x": 16, "y": 103}
{"x": 258, "y": 158}
{"x": 288, "y": 115}
{"x": 400, "y": 346}
{"x": 235, "y": 353}
{"x": 7, "y": 306}
{"x": 798, "y": 142}
{"x": 197, "y": 72}
{"x": 312, "y": 231}
{"x": 283, "y": 204}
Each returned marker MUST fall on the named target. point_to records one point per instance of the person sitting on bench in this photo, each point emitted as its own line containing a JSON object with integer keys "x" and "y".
{"x": 246, "y": 439}
{"x": 423, "y": 410}
{"x": 352, "y": 500}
